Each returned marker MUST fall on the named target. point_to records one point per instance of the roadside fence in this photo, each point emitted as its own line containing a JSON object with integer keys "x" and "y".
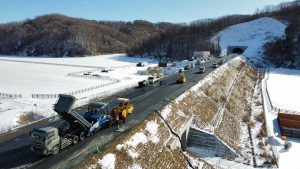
{"x": 56, "y": 64}
{"x": 280, "y": 110}
{"x": 10, "y": 96}
{"x": 102, "y": 94}
{"x": 265, "y": 100}
{"x": 98, "y": 77}
{"x": 44, "y": 96}
{"x": 62, "y": 64}
{"x": 50, "y": 96}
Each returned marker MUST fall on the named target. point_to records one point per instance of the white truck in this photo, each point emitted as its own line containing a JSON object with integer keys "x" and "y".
{"x": 152, "y": 79}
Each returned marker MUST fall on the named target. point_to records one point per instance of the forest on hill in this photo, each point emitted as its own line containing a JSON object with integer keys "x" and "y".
{"x": 58, "y": 35}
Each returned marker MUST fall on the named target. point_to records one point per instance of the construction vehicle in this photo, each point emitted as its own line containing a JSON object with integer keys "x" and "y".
{"x": 121, "y": 108}
{"x": 181, "y": 79}
{"x": 50, "y": 140}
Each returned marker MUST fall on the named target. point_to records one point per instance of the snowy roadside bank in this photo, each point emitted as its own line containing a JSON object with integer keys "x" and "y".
{"x": 278, "y": 90}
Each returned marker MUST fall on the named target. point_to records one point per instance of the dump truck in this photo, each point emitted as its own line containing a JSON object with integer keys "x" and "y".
{"x": 181, "y": 79}
{"x": 50, "y": 139}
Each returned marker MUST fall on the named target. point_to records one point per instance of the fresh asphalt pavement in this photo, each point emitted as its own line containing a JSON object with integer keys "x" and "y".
{"x": 15, "y": 147}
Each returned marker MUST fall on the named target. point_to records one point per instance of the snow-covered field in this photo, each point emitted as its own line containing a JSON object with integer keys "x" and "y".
{"x": 30, "y": 78}
{"x": 27, "y": 76}
{"x": 253, "y": 34}
{"x": 283, "y": 87}
{"x": 113, "y": 60}
{"x": 40, "y": 79}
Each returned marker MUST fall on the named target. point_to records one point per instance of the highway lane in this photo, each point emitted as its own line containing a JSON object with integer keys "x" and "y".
{"x": 146, "y": 100}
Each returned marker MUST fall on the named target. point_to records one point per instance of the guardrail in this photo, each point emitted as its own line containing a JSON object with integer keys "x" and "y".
{"x": 98, "y": 77}
{"x": 50, "y": 96}
{"x": 267, "y": 91}
{"x": 102, "y": 94}
{"x": 285, "y": 111}
{"x": 63, "y": 64}
{"x": 44, "y": 96}
{"x": 10, "y": 96}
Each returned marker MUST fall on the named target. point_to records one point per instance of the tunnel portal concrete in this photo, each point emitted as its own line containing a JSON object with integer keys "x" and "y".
{"x": 236, "y": 49}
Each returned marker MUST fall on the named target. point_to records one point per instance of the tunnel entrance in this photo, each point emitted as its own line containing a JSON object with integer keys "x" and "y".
{"x": 236, "y": 49}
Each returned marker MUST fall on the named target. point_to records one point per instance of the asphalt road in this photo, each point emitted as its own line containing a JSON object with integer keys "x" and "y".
{"x": 15, "y": 147}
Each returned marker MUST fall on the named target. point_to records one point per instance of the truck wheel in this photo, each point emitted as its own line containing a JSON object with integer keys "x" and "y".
{"x": 82, "y": 136}
{"x": 75, "y": 139}
{"x": 55, "y": 150}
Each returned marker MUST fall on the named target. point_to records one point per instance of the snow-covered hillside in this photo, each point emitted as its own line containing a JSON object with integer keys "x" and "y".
{"x": 253, "y": 34}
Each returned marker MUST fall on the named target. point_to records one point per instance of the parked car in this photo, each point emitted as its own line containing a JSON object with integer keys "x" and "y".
{"x": 152, "y": 79}
{"x": 180, "y": 71}
{"x": 104, "y": 70}
{"x": 95, "y": 75}
{"x": 215, "y": 65}
{"x": 221, "y": 62}
{"x": 140, "y": 64}
{"x": 202, "y": 69}
{"x": 198, "y": 62}
{"x": 186, "y": 67}
{"x": 87, "y": 73}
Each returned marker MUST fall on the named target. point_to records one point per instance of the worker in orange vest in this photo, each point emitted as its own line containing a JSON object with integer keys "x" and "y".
{"x": 117, "y": 118}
